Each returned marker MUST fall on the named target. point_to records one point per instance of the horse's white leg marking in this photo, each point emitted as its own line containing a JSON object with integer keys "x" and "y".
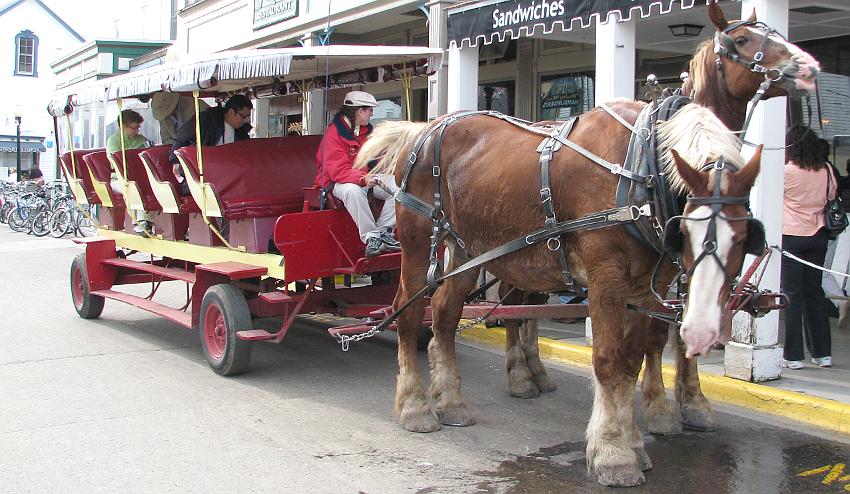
{"x": 612, "y": 436}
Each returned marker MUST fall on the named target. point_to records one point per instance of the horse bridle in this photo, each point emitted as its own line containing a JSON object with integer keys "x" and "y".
{"x": 771, "y": 75}
{"x": 674, "y": 238}
{"x": 754, "y": 65}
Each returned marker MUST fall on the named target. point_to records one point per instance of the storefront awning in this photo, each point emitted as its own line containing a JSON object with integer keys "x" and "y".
{"x": 26, "y": 147}
{"x": 487, "y": 22}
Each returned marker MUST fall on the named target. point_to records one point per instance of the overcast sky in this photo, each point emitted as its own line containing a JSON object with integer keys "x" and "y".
{"x": 90, "y": 18}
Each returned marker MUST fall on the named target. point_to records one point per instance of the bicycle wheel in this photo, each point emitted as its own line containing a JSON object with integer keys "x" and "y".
{"x": 59, "y": 222}
{"x": 17, "y": 220}
{"x": 5, "y": 211}
{"x": 41, "y": 223}
{"x": 84, "y": 226}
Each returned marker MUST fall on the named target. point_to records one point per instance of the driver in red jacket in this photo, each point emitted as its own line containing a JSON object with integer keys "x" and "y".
{"x": 343, "y": 138}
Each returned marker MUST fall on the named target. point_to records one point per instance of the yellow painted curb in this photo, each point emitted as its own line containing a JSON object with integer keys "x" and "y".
{"x": 820, "y": 412}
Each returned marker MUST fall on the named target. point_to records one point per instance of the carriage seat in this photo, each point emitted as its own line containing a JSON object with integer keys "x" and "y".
{"x": 255, "y": 178}
{"x": 163, "y": 183}
{"x": 140, "y": 196}
{"x": 101, "y": 174}
{"x": 82, "y": 187}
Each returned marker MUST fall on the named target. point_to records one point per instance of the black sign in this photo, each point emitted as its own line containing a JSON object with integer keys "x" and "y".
{"x": 513, "y": 19}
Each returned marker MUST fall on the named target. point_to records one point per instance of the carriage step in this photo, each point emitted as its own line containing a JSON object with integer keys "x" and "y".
{"x": 169, "y": 273}
{"x": 255, "y": 335}
{"x": 182, "y": 318}
{"x": 277, "y": 297}
{"x": 350, "y": 330}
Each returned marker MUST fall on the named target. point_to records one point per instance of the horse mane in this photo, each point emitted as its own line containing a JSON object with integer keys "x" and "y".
{"x": 698, "y": 69}
{"x": 699, "y": 137}
{"x": 386, "y": 143}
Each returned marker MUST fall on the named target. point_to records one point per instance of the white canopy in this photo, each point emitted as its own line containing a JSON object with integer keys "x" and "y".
{"x": 231, "y": 70}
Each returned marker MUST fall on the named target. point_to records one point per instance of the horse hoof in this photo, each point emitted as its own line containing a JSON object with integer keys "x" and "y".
{"x": 644, "y": 461}
{"x": 525, "y": 390}
{"x": 699, "y": 420}
{"x": 456, "y": 416}
{"x": 664, "y": 424}
{"x": 544, "y": 385}
{"x": 421, "y": 423}
{"x": 620, "y": 476}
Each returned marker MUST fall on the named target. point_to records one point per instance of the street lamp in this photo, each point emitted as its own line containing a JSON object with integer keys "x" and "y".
{"x": 18, "y": 154}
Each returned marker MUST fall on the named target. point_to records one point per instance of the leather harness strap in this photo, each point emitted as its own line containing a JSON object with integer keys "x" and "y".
{"x": 547, "y": 150}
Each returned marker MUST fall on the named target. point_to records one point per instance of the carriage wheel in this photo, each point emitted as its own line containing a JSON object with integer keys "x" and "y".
{"x": 223, "y": 312}
{"x": 88, "y": 306}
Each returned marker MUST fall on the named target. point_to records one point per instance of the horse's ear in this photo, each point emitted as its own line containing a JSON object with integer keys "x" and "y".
{"x": 717, "y": 17}
{"x": 697, "y": 182}
{"x": 746, "y": 177}
{"x": 752, "y": 16}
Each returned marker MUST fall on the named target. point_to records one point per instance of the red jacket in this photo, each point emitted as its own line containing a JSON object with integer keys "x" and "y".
{"x": 338, "y": 150}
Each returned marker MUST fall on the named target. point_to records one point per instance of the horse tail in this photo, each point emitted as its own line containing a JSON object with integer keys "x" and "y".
{"x": 386, "y": 144}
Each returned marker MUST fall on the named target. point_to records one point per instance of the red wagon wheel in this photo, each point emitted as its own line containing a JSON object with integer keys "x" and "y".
{"x": 223, "y": 313}
{"x": 88, "y": 306}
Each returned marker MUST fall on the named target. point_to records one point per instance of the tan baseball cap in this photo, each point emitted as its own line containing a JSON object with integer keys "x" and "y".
{"x": 163, "y": 104}
{"x": 359, "y": 98}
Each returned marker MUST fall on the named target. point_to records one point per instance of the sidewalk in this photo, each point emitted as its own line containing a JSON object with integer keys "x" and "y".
{"x": 831, "y": 383}
{"x": 812, "y": 395}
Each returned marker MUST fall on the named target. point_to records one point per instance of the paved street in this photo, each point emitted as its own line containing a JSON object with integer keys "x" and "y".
{"x": 127, "y": 403}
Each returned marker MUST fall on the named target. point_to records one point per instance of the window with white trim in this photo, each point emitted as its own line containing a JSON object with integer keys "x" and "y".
{"x": 26, "y": 54}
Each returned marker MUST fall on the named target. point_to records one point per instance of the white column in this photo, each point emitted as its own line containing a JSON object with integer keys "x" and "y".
{"x": 462, "y": 79}
{"x": 261, "y": 117}
{"x": 438, "y": 38}
{"x": 615, "y": 60}
{"x": 754, "y": 354}
{"x": 313, "y": 108}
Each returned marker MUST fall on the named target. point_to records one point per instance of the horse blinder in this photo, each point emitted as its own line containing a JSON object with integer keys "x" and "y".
{"x": 674, "y": 239}
{"x": 755, "y": 237}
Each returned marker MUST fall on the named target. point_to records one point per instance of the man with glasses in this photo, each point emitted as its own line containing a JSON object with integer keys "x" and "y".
{"x": 218, "y": 126}
{"x": 130, "y": 123}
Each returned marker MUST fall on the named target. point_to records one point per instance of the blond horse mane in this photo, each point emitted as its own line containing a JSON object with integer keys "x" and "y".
{"x": 698, "y": 67}
{"x": 699, "y": 137}
{"x": 386, "y": 143}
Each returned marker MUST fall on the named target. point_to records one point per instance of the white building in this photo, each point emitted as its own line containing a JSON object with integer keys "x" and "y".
{"x": 38, "y": 36}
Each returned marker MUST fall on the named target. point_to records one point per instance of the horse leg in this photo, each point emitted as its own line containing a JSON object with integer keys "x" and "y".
{"x": 528, "y": 334}
{"x": 411, "y": 405}
{"x": 615, "y": 449}
{"x": 661, "y": 418}
{"x": 446, "y": 308}
{"x": 697, "y": 413}
{"x": 520, "y": 379}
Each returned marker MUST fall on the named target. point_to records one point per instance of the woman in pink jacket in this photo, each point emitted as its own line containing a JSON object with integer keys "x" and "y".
{"x": 809, "y": 183}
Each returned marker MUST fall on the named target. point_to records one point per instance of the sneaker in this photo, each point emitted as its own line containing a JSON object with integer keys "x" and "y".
{"x": 374, "y": 246}
{"x": 390, "y": 243}
{"x": 822, "y": 361}
{"x": 138, "y": 228}
{"x": 792, "y": 364}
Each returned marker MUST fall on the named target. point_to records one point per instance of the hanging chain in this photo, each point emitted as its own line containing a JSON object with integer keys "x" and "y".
{"x": 479, "y": 320}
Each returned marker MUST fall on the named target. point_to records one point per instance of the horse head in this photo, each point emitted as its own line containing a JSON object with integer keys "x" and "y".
{"x": 748, "y": 52}
{"x": 711, "y": 238}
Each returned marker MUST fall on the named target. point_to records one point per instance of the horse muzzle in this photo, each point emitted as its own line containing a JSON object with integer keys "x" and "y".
{"x": 801, "y": 74}
{"x": 698, "y": 338}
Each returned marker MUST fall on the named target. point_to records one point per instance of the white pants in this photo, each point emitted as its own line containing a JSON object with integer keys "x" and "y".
{"x": 357, "y": 204}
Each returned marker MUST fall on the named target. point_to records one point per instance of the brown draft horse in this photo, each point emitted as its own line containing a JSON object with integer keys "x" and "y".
{"x": 490, "y": 182}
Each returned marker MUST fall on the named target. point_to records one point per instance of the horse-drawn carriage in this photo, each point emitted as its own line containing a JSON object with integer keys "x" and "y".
{"x": 448, "y": 170}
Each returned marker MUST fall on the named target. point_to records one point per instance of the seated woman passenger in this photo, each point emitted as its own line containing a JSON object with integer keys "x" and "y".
{"x": 132, "y": 140}
{"x": 335, "y": 159}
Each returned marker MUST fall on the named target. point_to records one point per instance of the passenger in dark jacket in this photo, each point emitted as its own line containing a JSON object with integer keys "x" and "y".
{"x": 218, "y": 126}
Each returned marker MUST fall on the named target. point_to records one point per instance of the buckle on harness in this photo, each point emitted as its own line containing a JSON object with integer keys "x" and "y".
{"x": 435, "y": 170}
{"x": 545, "y": 194}
{"x": 616, "y": 168}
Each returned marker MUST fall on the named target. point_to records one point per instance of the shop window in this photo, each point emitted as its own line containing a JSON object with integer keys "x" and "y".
{"x": 26, "y": 54}
{"x": 387, "y": 109}
{"x": 565, "y": 95}
{"x": 497, "y": 96}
